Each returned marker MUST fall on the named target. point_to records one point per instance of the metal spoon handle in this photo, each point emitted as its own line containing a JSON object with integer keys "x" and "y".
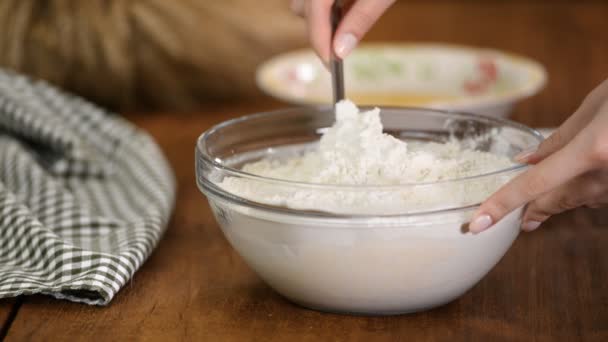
{"x": 337, "y": 70}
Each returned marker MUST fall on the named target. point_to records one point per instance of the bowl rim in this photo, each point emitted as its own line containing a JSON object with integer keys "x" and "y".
{"x": 537, "y": 75}
{"x": 243, "y": 174}
{"x": 209, "y": 187}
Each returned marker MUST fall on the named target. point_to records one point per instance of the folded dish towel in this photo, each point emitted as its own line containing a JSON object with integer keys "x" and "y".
{"x": 84, "y": 195}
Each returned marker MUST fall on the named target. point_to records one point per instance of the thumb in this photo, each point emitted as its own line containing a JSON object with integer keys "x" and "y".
{"x": 358, "y": 20}
{"x": 530, "y": 185}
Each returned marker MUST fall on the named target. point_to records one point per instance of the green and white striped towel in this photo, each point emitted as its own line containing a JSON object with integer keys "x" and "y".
{"x": 84, "y": 195}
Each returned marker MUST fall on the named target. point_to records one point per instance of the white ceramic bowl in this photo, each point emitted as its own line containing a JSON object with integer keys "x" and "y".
{"x": 355, "y": 262}
{"x": 441, "y": 76}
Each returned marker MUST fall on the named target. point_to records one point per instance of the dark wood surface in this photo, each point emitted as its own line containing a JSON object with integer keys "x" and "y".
{"x": 6, "y": 308}
{"x": 551, "y": 285}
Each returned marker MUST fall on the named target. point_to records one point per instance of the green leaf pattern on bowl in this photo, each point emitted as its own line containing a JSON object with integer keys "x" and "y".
{"x": 377, "y": 65}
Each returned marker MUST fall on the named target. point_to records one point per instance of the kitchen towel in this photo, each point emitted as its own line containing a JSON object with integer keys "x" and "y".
{"x": 84, "y": 195}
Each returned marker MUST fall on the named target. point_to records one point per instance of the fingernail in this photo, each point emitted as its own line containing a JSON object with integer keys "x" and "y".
{"x": 529, "y": 226}
{"x": 480, "y": 223}
{"x": 345, "y": 43}
{"x": 524, "y": 156}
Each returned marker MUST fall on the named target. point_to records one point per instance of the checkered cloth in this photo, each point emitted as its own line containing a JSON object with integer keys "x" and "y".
{"x": 84, "y": 195}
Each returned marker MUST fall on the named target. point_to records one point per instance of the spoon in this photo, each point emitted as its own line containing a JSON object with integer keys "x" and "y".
{"x": 337, "y": 71}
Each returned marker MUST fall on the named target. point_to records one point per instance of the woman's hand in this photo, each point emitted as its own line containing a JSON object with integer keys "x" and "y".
{"x": 358, "y": 19}
{"x": 570, "y": 170}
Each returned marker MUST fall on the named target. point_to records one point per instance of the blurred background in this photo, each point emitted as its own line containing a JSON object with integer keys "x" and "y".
{"x": 160, "y": 55}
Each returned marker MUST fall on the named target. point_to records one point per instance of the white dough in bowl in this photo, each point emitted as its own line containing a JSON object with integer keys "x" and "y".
{"x": 355, "y": 151}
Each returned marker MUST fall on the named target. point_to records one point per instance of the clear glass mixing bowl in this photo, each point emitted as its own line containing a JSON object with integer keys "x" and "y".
{"x": 374, "y": 259}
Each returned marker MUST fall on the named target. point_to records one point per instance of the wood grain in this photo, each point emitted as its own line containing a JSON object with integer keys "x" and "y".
{"x": 551, "y": 285}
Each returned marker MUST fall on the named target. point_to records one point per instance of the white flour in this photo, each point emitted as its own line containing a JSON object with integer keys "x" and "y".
{"x": 355, "y": 151}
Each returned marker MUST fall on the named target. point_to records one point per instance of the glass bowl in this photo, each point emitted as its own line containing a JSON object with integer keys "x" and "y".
{"x": 386, "y": 249}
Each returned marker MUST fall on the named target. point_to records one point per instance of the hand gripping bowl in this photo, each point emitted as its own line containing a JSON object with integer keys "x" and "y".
{"x": 368, "y": 260}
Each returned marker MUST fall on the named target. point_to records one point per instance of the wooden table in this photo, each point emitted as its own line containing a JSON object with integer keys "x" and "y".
{"x": 551, "y": 285}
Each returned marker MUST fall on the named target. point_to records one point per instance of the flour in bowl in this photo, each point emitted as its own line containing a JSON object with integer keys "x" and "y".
{"x": 372, "y": 171}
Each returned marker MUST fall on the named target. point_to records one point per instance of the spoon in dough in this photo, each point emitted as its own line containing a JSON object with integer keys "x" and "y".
{"x": 335, "y": 62}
